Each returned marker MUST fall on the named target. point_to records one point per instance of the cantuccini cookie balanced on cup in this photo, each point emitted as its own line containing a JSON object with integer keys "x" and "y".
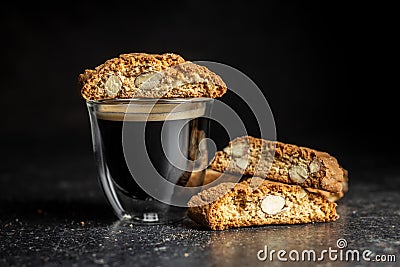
{"x": 140, "y": 75}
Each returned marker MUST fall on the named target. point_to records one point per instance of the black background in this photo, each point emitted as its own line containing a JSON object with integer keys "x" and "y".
{"x": 324, "y": 68}
{"x": 328, "y": 70}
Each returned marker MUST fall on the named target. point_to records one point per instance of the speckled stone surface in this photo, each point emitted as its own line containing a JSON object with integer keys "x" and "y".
{"x": 52, "y": 212}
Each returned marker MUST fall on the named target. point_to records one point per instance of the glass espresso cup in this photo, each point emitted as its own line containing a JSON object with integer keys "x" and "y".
{"x": 149, "y": 154}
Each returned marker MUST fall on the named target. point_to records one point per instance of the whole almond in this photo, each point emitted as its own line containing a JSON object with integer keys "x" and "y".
{"x": 298, "y": 173}
{"x": 272, "y": 204}
{"x": 314, "y": 166}
{"x": 113, "y": 85}
{"x": 148, "y": 80}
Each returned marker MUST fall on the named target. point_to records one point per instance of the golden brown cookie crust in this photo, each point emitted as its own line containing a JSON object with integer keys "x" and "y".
{"x": 140, "y": 75}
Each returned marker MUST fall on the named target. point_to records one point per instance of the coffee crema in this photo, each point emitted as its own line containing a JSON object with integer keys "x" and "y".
{"x": 151, "y": 111}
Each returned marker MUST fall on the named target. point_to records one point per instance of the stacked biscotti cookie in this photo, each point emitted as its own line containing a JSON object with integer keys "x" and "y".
{"x": 277, "y": 184}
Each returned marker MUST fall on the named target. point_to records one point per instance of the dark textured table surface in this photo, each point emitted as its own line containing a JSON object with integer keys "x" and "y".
{"x": 52, "y": 212}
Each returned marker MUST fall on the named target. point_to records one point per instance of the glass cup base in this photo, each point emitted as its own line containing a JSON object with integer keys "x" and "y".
{"x": 148, "y": 211}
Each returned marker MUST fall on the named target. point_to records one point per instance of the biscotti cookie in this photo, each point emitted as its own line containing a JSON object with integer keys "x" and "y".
{"x": 140, "y": 75}
{"x": 242, "y": 204}
{"x": 280, "y": 162}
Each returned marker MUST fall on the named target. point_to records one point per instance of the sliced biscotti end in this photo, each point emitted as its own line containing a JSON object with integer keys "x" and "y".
{"x": 141, "y": 75}
{"x": 244, "y": 205}
{"x": 281, "y": 162}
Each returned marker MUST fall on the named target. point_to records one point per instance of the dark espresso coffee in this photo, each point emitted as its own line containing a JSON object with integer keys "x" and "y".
{"x": 165, "y": 137}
